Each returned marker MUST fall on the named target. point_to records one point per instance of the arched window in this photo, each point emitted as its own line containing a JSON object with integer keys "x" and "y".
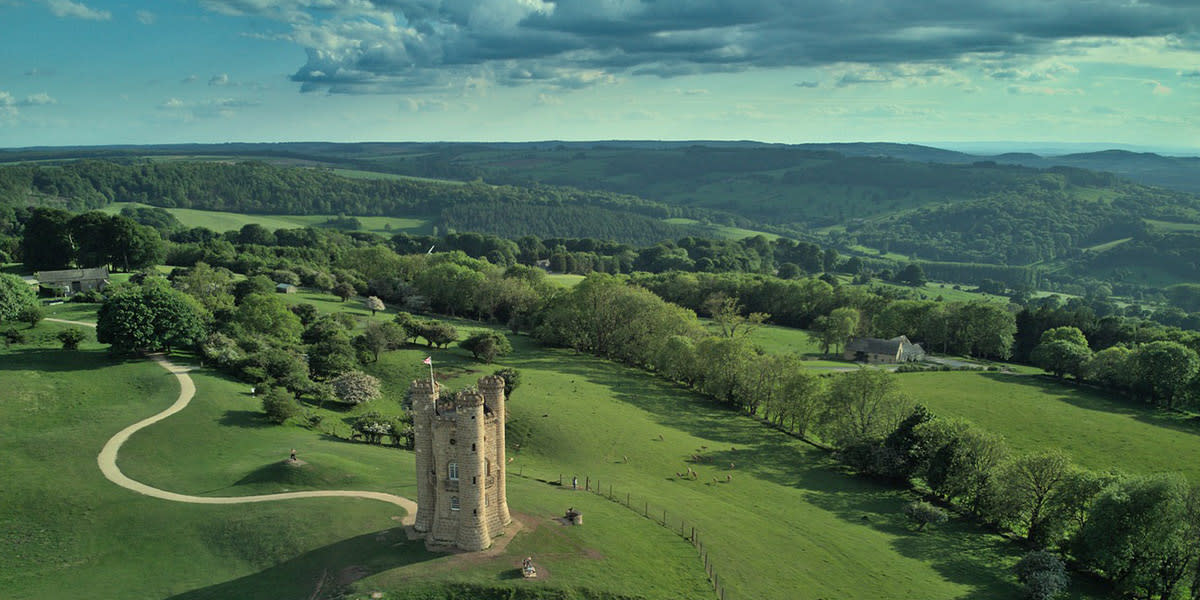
{"x": 487, "y": 469}
{"x": 452, "y": 469}
{"x": 453, "y": 502}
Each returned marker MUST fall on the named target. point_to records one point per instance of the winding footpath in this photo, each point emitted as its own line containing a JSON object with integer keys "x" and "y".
{"x": 107, "y": 459}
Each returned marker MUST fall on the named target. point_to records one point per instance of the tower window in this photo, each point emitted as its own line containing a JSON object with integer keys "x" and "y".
{"x": 472, "y": 447}
{"x": 453, "y": 502}
{"x": 452, "y": 470}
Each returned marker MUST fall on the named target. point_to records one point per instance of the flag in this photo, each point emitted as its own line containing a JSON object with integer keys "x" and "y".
{"x": 428, "y": 360}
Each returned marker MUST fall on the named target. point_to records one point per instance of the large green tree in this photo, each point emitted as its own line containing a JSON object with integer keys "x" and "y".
{"x": 1140, "y": 535}
{"x": 862, "y": 406}
{"x": 1163, "y": 370}
{"x": 15, "y": 296}
{"x": 149, "y": 317}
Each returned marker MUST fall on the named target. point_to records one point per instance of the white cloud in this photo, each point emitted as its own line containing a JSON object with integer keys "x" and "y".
{"x": 548, "y": 100}
{"x": 67, "y": 8}
{"x": 189, "y": 79}
{"x": 145, "y": 17}
{"x": 41, "y": 99}
{"x": 1041, "y": 90}
{"x": 219, "y": 80}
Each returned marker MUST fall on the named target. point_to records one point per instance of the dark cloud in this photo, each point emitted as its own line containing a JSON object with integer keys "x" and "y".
{"x": 392, "y": 45}
{"x": 808, "y": 84}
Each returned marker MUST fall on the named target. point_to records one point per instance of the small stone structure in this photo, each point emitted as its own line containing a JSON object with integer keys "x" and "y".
{"x": 459, "y": 445}
{"x": 872, "y": 350}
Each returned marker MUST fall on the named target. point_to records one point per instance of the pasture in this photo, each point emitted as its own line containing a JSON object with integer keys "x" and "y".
{"x": 779, "y": 519}
{"x": 1096, "y": 429}
{"x": 227, "y": 221}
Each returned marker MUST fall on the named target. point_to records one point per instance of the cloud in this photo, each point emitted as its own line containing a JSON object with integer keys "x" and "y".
{"x": 205, "y": 109}
{"x": 1041, "y": 90}
{"x": 389, "y": 46}
{"x": 219, "y": 80}
{"x": 77, "y": 10}
{"x": 146, "y": 17}
{"x": 41, "y": 99}
{"x": 547, "y": 100}
{"x": 189, "y": 79}
{"x": 36, "y": 72}
{"x": 808, "y": 84}
{"x": 8, "y": 106}
{"x": 1192, "y": 73}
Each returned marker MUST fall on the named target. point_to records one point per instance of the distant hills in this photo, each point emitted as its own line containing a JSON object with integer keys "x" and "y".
{"x": 1112, "y": 215}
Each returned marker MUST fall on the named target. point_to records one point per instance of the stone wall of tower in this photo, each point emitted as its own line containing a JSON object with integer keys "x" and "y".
{"x": 459, "y": 446}
{"x": 424, "y": 394}
{"x": 492, "y": 387}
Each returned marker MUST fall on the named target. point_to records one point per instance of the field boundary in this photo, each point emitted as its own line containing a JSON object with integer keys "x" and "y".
{"x": 688, "y": 531}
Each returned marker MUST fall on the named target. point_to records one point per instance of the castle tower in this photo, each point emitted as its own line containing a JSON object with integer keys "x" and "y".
{"x": 460, "y": 463}
{"x": 424, "y": 396}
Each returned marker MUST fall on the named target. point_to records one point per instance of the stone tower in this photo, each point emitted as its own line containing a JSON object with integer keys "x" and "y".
{"x": 459, "y": 446}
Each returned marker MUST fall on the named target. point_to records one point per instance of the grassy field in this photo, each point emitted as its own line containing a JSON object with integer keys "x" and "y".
{"x": 788, "y": 523}
{"x": 64, "y": 529}
{"x": 226, "y": 221}
{"x": 1097, "y": 430}
{"x": 724, "y": 231}
{"x": 1172, "y": 226}
{"x": 357, "y": 174}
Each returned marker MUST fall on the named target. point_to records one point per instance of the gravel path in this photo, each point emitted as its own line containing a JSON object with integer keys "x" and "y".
{"x": 107, "y": 459}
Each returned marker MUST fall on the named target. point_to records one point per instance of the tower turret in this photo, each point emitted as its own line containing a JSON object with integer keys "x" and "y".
{"x": 473, "y": 531}
{"x": 424, "y": 396}
{"x": 492, "y": 387}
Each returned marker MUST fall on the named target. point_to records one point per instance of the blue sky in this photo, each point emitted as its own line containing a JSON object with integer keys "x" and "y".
{"x": 1119, "y": 72}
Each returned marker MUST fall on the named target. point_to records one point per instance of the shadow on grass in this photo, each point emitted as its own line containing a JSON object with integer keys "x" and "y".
{"x": 322, "y": 573}
{"x": 246, "y": 419}
{"x": 56, "y": 360}
{"x": 961, "y": 552}
{"x": 1104, "y": 401}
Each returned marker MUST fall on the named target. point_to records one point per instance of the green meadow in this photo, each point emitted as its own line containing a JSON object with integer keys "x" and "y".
{"x": 227, "y": 221}
{"x": 1096, "y": 429}
{"x": 778, "y": 518}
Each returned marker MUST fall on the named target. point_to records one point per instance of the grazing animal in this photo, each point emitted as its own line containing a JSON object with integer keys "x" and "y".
{"x": 731, "y": 466}
{"x": 728, "y": 478}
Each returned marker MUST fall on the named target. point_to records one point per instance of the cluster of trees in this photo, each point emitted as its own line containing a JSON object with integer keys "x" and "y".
{"x": 1140, "y": 533}
{"x": 56, "y": 239}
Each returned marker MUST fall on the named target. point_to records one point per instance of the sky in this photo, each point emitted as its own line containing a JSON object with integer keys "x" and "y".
{"x": 1122, "y": 73}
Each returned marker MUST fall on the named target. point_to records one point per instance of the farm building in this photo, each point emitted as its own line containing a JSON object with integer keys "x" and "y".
{"x": 873, "y": 350}
{"x": 73, "y": 281}
{"x": 285, "y": 288}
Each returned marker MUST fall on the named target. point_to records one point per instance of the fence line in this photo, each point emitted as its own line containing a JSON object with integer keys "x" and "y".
{"x": 687, "y": 529}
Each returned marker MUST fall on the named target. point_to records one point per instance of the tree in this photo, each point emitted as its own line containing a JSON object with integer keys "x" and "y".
{"x": 964, "y": 468}
{"x": 1043, "y": 574}
{"x": 1060, "y": 357}
{"x": 864, "y": 405}
{"x": 923, "y": 513}
{"x": 307, "y": 313}
{"x": 71, "y": 338}
{"x": 344, "y": 290}
{"x": 373, "y": 304}
{"x": 279, "y": 405}
{"x": 1028, "y": 487}
{"x": 212, "y": 288}
{"x": 1164, "y": 369}
{"x": 12, "y": 336}
{"x": 512, "y": 380}
{"x": 32, "y": 314}
{"x": 912, "y": 274}
{"x": 355, "y": 387}
{"x": 835, "y": 329}
{"x": 15, "y": 296}
{"x": 148, "y": 318}
{"x": 47, "y": 241}
{"x": 439, "y": 334}
{"x": 378, "y": 337}
{"x": 487, "y": 345}
{"x": 266, "y": 314}
{"x": 1110, "y": 367}
{"x": 1139, "y": 535}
